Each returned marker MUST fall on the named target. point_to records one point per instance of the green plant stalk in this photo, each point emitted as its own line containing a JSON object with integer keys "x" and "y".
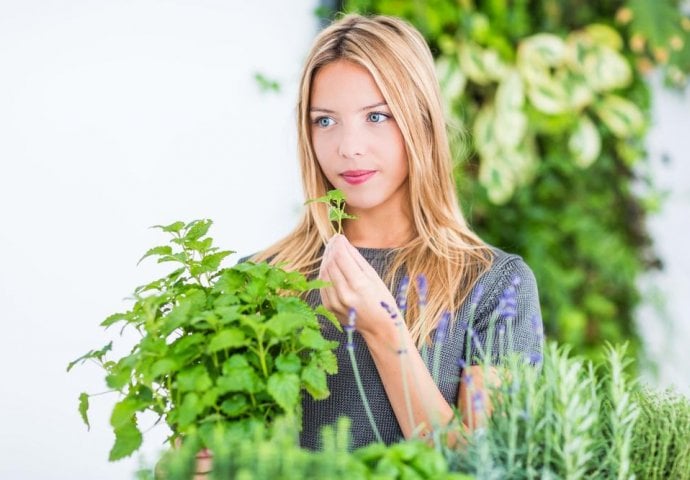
{"x": 468, "y": 357}
{"x": 360, "y": 387}
{"x": 402, "y": 353}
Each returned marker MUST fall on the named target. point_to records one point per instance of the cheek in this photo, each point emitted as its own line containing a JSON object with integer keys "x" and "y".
{"x": 321, "y": 149}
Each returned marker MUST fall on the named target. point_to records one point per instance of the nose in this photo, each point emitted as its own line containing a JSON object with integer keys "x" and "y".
{"x": 352, "y": 142}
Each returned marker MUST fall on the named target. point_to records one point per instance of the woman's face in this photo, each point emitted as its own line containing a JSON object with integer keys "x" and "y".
{"x": 356, "y": 139}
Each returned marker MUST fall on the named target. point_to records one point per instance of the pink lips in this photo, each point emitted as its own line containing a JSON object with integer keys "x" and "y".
{"x": 355, "y": 177}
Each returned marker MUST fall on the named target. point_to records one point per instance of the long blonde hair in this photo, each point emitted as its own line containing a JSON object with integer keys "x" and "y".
{"x": 444, "y": 249}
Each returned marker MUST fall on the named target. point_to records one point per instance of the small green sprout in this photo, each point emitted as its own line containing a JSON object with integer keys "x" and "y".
{"x": 335, "y": 199}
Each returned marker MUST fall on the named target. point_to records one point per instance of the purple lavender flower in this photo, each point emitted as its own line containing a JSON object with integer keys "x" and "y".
{"x": 507, "y": 303}
{"x": 402, "y": 293}
{"x": 350, "y": 346}
{"x": 535, "y": 358}
{"x": 462, "y": 363}
{"x": 537, "y": 326}
{"x": 467, "y": 378}
{"x": 477, "y": 293}
{"x": 477, "y": 402}
{"x": 351, "y": 315}
{"x": 422, "y": 289}
{"x": 442, "y": 327}
{"x": 388, "y": 309}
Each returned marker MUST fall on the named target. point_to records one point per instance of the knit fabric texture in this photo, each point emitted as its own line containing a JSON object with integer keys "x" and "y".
{"x": 509, "y": 277}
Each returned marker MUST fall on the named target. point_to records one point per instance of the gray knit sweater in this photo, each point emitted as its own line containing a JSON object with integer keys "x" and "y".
{"x": 508, "y": 274}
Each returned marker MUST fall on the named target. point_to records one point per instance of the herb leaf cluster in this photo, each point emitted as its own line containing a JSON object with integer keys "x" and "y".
{"x": 218, "y": 346}
{"x": 335, "y": 199}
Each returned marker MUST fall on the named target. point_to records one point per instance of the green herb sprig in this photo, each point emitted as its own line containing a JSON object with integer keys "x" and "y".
{"x": 218, "y": 346}
{"x": 335, "y": 200}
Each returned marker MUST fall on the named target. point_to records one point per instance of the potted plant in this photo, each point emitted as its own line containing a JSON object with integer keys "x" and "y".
{"x": 219, "y": 346}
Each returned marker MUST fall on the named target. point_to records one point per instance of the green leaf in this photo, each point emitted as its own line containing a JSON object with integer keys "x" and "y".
{"x": 620, "y": 115}
{"x": 84, "y": 408}
{"x": 235, "y": 406}
{"x": 162, "y": 250}
{"x": 114, "y": 318}
{"x": 236, "y": 361}
{"x": 328, "y": 361}
{"x": 163, "y": 367}
{"x": 119, "y": 375}
{"x": 212, "y": 262}
{"x": 324, "y": 199}
{"x": 127, "y": 440}
{"x": 228, "y": 338}
{"x": 190, "y": 409}
{"x": 284, "y": 388}
{"x": 96, "y": 354}
{"x": 123, "y": 412}
{"x": 194, "y": 378}
{"x": 585, "y": 143}
{"x": 180, "y": 257}
{"x": 314, "y": 380}
{"x": 172, "y": 228}
{"x": 657, "y": 21}
{"x": 243, "y": 379}
{"x": 197, "y": 229}
{"x": 330, "y": 316}
{"x": 282, "y": 324}
{"x": 265, "y": 84}
{"x": 288, "y": 362}
{"x": 313, "y": 339}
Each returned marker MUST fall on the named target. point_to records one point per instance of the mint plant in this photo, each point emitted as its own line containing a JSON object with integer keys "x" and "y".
{"x": 335, "y": 199}
{"x": 218, "y": 346}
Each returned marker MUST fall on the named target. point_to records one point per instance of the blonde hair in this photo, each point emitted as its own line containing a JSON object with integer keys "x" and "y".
{"x": 443, "y": 249}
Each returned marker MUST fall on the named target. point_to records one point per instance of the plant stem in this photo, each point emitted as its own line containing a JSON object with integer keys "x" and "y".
{"x": 403, "y": 369}
{"x": 360, "y": 387}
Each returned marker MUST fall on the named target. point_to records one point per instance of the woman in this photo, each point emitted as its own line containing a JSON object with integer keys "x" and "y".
{"x": 370, "y": 123}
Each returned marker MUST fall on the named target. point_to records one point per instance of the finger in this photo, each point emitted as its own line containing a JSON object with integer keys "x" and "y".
{"x": 328, "y": 296}
{"x": 347, "y": 267}
{"x": 341, "y": 285}
{"x": 331, "y": 301}
{"x": 359, "y": 259}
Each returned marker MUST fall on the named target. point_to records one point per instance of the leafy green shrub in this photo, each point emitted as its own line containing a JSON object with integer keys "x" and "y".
{"x": 218, "y": 346}
{"x": 273, "y": 453}
{"x": 553, "y": 96}
{"x": 661, "y": 439}
{"x": 570, "y": 421}
{"x": 568, "y": 418}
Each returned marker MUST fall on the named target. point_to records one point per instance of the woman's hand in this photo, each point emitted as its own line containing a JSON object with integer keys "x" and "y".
{"x": 355, "y": 284}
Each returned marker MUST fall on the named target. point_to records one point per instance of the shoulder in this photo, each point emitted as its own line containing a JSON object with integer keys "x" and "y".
{"x": 506, "y": 267}
{"x": 245, "y": 258}
{"x": 506, "y": 271}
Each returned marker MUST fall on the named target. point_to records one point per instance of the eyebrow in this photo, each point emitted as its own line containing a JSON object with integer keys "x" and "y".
{"x": 325, "y": 110}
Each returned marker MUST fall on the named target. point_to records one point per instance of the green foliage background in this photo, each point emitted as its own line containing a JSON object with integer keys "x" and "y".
{"x": 577, "y": 219}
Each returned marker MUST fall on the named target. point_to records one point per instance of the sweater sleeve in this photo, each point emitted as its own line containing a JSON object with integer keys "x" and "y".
{"x": 508, "y": 316}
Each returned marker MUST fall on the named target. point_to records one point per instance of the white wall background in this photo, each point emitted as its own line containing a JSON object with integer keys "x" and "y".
{"x": 664, "y": 318}
{"x": 115, "y": 116}
{"x": 118, "y": 115}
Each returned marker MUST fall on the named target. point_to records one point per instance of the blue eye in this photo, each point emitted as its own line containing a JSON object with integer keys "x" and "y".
{"x": 378, "y": 117}
{"x": 323, "y": 121}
